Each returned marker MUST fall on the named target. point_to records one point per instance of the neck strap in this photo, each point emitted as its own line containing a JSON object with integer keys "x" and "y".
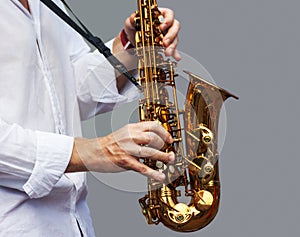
{"x": 94, "y": 40}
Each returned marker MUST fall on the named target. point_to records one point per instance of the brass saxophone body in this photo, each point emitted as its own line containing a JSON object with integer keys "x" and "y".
{"x": 195, "y": 170}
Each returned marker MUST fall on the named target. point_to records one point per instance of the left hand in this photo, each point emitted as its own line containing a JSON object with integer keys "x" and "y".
{"x": 170, "y": 28}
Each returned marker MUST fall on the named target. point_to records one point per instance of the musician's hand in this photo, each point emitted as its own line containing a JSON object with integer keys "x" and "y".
{"x": 121, "y": 150}
{"x": 170, "y": 28}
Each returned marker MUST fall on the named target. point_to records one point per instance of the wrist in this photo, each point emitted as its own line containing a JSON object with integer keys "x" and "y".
{"x": 127, "y": 45}
{"x": 76, "y": 163}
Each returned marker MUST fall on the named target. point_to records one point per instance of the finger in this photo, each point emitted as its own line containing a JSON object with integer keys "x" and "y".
{"x": 168, "y": 18}
{"x": 172, "y": 34}
{"x": 132, "y": 164}
{"x": 153, "y": 154}
{"x": 158, "y": 129}
{"x": 129, "y": 27}
{"x": 170, "y": 50}
{"x": 132, "y": 16}
{"x": 177, "y": 55}
{"x": 173, "y": 52}
{"x": 150, "y": 139}
{"x": 129, "y": 22}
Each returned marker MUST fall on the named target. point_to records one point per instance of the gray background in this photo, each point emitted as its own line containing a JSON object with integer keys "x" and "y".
{"x": 251, "y": 48}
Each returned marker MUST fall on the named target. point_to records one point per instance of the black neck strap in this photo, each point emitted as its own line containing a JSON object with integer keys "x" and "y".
{"x": 94, "y": 40}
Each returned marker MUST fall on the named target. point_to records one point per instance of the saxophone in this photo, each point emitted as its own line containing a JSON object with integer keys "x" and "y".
{"x": 195, "y": 169}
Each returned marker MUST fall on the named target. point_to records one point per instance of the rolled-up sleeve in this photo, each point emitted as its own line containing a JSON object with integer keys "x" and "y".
{"x": 53, "y": 152}
{"x": 32, "y": 161}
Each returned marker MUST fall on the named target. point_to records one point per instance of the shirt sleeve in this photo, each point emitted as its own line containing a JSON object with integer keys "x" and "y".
{"x": 97, "y": 87}
{"x": 96, "y": 84}
{"x": 32, "y": 161}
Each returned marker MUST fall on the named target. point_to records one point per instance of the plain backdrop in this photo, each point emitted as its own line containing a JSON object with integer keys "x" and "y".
{"x": 251, "y": 48}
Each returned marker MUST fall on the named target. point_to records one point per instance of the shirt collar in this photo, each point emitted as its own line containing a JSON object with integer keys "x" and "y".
{"x": 34, "y": 8}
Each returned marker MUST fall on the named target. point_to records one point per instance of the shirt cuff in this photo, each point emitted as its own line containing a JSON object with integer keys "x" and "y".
{"x": 52, "y": 158}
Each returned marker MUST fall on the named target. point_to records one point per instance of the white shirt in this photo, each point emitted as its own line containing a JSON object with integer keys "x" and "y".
{"x": 49, "y": 82}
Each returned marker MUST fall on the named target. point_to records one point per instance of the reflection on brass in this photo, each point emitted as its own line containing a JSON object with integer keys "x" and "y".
{"x": 181, "y": 215}
{"x": 195, "y": 169}
{"x": 203, "y": 200}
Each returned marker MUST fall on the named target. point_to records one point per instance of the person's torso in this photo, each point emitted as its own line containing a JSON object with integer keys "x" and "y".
{"x": 37, "y": 91}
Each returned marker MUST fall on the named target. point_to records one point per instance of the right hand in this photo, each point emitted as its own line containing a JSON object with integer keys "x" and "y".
{"x": 122, "y": 149}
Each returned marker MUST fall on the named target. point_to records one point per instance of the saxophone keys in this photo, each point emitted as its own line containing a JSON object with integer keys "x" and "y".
{"x": 171, "y": 169}
{"x": 206, "y": 134}
{"x": 160, "y": 165}
{"x": 208, "y": 168}
{"x": 203, "y": 200}
{"x": 161, "y": 19}
{"x": 207, "y": 173}
{"x": 180, "y": 213}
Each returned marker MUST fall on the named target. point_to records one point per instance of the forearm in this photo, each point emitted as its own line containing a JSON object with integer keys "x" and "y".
{"x": 129, "y": 60}
{"x": 92, "y": 155}
{"x": 76, "y": 163}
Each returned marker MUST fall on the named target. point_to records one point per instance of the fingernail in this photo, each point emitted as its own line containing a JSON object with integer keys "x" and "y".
{"x": 170, "y": 139}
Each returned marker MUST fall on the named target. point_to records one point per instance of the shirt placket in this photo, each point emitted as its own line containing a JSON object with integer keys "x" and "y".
{"x": 47, "y": 76}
